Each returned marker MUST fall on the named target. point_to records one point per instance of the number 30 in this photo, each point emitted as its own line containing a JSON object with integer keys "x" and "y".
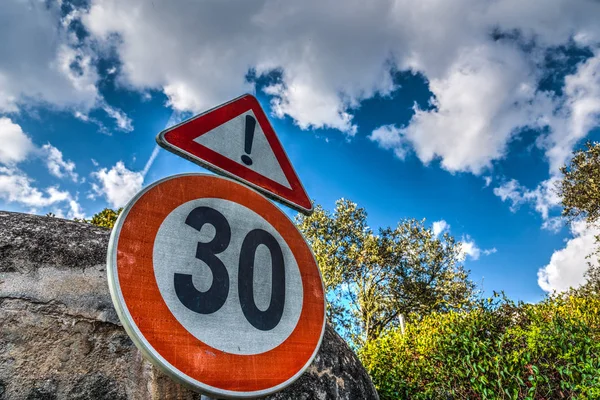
{"x": 213, "y": 299}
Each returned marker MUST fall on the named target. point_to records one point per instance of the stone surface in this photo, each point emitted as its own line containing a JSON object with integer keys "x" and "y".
{"x": 60, "y": 337}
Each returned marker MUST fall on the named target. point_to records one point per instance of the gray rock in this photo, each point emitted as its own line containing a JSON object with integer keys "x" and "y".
{"x": 60, "y": 337}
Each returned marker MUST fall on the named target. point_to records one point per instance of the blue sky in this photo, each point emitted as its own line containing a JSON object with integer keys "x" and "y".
{"x": 457, "y": 113}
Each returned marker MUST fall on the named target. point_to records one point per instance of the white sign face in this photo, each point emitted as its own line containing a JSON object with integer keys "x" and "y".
{"x": 216, "y": 286}
{"x": 243, "y": 141}
{"x": 227, "y": 328}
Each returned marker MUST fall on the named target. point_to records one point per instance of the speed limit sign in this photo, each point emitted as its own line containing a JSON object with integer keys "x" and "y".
{"x": 216, "y": 286}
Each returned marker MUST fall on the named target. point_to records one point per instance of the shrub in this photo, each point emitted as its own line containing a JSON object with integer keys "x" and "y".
{"x": 498, "y": 350}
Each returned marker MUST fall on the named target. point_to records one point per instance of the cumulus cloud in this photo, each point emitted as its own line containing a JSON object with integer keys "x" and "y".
{"x": 568, "y": 265}
{"x": 390, "y": 138}
{"x": 56, "y": 164}
{"x": 41, "y": 62}
{"x": 75, "y": 210}
{"x": 440, "y": 227}
{"x": 554, "y": 224}
{"x": 483, "y": 63}
{"x": 118, "y": 184}
{"x": 543, "y": 198}
{"x": 45, "y": 63}
{"x": 470, "y": 249}
{"x": 329, "y": 59}
{"x": 124, "y": 123}
{"x": 17, "y": 187}
{"x": 486, "y": 95}
{"x": 579, "y": 113}
{"x": 491, "y": 251}
{"x": 512, "y": 192}
{"x": 16, "y": 145}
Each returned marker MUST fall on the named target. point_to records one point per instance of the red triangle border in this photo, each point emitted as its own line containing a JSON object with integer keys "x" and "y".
{"x": 180, "y": 140}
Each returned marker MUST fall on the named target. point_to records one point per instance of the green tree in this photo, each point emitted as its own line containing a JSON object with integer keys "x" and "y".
{"x": 580, "y": 185}
{"x": 371, "y": 279}
{"x": 580, "y": 193}
{"x": 105, "y": 218}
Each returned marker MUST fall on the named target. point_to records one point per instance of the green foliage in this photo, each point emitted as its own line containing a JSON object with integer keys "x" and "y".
{"x": 498, "y": 350}
{"x": 106, "y": 218}
{"x": 372, "y": 278}
{"x": 580, "y": 186}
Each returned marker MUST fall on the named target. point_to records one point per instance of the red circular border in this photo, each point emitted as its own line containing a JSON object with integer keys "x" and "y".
{"x": 210, "y": 366}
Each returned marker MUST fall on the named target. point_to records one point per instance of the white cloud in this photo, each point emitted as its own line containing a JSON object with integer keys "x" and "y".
{"x": 511, "y": 191}
{"x": 481, "y": 101}
{"x": 72, "y": 210}
{"x": 56, "y": 164}
{"x": 390, "y": 138}
{"x": 330, "y": 58}
{"x": 544, "y": 197}
{"x": 44, "y": 63}
{"x": 15, "y": 144}
{"x": 491, "y": 251}
{"x": 488, "y": 181}
{"x": 579, "y": 114}
{"x": 440, "y": 227}
{"x": 553, "y": 224}
{"x": 118, "y": 185}
{"x": 568, "y": 265}
{"x": 40, "y": 62}
{"x": 469, "y": 248}
{"x": 17, "y": 187}
{"x": 75, "y": 210}
{"x": 124, "y": 123}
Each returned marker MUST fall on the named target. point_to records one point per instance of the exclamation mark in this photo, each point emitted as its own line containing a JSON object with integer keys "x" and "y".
{"x": 250, "y": 125}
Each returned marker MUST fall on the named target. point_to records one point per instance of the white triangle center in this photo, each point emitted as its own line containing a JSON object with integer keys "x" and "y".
{"x": 229, "y": 140}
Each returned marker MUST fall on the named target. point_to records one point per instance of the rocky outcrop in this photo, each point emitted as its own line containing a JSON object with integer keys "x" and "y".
{"x": 60, "y": 337}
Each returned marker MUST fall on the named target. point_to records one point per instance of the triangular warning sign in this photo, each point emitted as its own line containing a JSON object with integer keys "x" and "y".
{"x": 236, "y": 139}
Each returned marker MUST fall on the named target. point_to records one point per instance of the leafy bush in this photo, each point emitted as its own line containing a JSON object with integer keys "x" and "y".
{"x": 499, "y": 350}
{"x": 105, "y": 218}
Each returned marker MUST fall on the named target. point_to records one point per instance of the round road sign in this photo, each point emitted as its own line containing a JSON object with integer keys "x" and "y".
{"x": 216, "y": 286}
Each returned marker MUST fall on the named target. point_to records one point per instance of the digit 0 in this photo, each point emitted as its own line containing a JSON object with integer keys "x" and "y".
{"x": 268, "y": 319}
